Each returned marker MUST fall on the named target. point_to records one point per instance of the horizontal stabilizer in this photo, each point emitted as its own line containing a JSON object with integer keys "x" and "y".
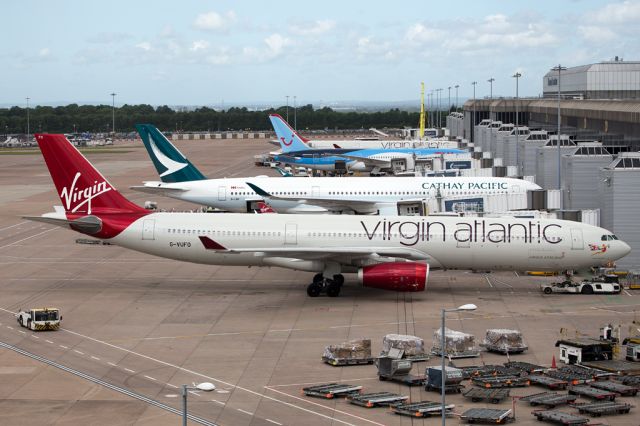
{"x": 87, "y": 224}
{"x": 158, "y": 190}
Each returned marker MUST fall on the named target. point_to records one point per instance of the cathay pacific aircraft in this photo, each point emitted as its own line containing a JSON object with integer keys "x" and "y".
{"x": 296, "y": 152}
{"x": 181, "y": 180}
{"x": 392, "y": 253}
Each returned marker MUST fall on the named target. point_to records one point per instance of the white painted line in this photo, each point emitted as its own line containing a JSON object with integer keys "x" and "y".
{"x": 17, "y": 224}
{"x": 486, "y": 277}
{"x": 194, "y": 393}
{"x": 9, "y": 327}
{"x": 34, "y": 336}
{"x": 245, "y": 411}
{"x": 130, "y": 371}
{"x": 274, "y": 422}
{"x": 64, "y": 347}
{"x": 48, "y": 341}
{"x": 28, "y": 238}
{"x": 219, "y": 402}
{"x": 95, "y": 357}
{"x": 626, "y": 292}
{"x": 149, "y": 377}
{"x": 23, "y": 332}
{"x": 78, "y": 352}
{"x": 170, "y": 385}
{"x": 112, "y": 364}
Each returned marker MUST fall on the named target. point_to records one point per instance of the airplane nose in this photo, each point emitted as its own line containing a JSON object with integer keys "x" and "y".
{"x": 625, "y": 248}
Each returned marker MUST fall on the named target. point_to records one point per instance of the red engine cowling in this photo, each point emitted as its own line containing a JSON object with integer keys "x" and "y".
{"x": 395, "y": 276}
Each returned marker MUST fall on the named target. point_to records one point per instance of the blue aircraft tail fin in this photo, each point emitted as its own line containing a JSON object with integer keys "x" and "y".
{"x": 288, "y": 138}
{"x": 171, "y": 164}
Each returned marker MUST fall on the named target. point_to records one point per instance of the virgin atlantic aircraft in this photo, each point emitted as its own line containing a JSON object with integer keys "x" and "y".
{"x": 392, "y": 253}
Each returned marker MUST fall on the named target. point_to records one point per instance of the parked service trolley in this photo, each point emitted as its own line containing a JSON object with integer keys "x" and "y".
{"x": 421, "y": 409}
{"x": 487, "y": 416}
{"x": 560, "y": 417}
{"x": 619, "y": 388}
{"x": 607, "y": 408}
{"x": 492, "y": 395}
{"x": 39, "y": 319}
{"x": 548, "y": 382}
{"x": 453, "y": 377}
{"x": 376, "y": 399}
{"x": 593, "y": 393}
{"x": 549, "y": 399}
{"x": 331, "y": 390}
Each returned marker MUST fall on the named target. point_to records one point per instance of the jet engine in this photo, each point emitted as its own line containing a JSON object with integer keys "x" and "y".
{"x": 395, "y": 276}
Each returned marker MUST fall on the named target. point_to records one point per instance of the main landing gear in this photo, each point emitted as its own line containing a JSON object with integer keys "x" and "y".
{"x": 321, "y": 284}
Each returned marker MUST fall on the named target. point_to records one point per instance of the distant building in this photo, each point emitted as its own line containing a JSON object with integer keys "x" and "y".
{"x": 615, "y": 79}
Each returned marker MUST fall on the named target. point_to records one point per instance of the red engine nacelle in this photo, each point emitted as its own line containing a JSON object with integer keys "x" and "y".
{"x": 395, "y": 276}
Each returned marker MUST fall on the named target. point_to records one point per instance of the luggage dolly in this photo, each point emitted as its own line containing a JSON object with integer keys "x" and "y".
{"x": 331, "y": 390}
{"x": 492, "y": 395}
{"x": 487, "y": 415}
{"x": 560, "y": 417}
{"x": 500, "y": 381}
{"x": 549, "y": 399}
{"x": 592, "y": 393}
{"x": 597, "y": 409}
{"x": 548, "y": 382}
{"x": 421, "y": 409}
{"x": 619, "y": 388}
{"x": 376, "y": 399}
{"x": 339, "y": 362}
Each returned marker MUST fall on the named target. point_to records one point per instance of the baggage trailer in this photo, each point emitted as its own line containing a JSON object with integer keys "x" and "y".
{"x": 593, "y": 393}
{"x": 630, "y": 380}
{"x": 376, "y": 399}
{"x": 548, "y": 382}
{"x": 492, "y": 395}
{"x": 571, "y": 377}
{"x": 341, "y": 362}
{"x": 549, "y": 399}
{"x": 500, "y": 381}
{"x": 619, "y": 388}
{"x": 398, "y": 370}
{"x": 422, "y": 409}
{"x": 487, "y": 416}
{"x": 560, "y": 417}
{"x": 607, "y": 408}
{"x": 331, "y": 390}
{"x": 525, "y": 367}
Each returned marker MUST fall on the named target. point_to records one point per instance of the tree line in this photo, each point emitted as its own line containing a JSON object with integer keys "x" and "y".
{"x": 75, "y": 118}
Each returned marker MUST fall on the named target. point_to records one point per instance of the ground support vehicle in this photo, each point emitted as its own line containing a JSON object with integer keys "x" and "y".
{"x": 39, "y": 319}
{"x": 593, "y": 393}
{"x": 376, "y": 399}
{"x": 584, "y": 287}
{"x": 597, "y": 409}
{"x": 619, "y": 388}
{"x": 331, "y": 390}
{"x": 560, "y": 417}
{"x": 525, "y": 367}
{"x": 500, "y": 381}
{"x": 341, "y": 362}
{"x": 549, "y": 399}
{"x": 487, "y": 416}
{"x": 398, "y": 370}
{"x": 421, "y": 409}
{"x": 548, "y": 382}
{"x": 492, "y": 395}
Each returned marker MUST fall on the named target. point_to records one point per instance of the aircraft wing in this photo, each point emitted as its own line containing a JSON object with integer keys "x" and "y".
{"x": 328, "y": 203}
{"x": 383, "y": 164}
{"x": 314, "y": 253}
{"x": 158, "y": 188}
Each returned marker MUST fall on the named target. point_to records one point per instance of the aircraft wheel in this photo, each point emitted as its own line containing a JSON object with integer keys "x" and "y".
{"x": 317, "y": 278}
{"x": 338, "y": 279}
{"x": 587, "y": 289}
{"x": 20, "y": 321}
{"x": 333, "y": 290}
{"x": 313, "y": 290}
{"x": 547, "y": 290}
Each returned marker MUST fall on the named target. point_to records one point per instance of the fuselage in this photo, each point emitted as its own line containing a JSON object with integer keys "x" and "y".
{"x": 235, "y": 195}
{"x": 446, "y": 242}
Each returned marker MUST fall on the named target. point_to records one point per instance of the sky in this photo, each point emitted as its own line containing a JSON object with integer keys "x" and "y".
{"x": 214, "y": 52}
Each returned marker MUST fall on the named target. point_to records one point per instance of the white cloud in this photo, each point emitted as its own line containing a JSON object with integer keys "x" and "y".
{"x": 313, "y": 29}
{"x": 276, "y": 43}
{"x": 418, "y": 33}
{"x": 108, "y": 38}
{"x": 369, "y": 47}
{"x": 214, "y": 21}
{"x": 145, "y": 45}
{"x": 596, "y": 34}
{"x": 275, "y": 46}
{"x": 199, "y": 45}
{"x": 617, "y": 13}
{"x": 44, "y": 53}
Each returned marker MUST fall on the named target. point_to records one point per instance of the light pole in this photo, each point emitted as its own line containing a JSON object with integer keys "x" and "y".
{"x": 473, "y": 120}
{"x": 449, "y": 106}
{"x": 491, "y": 80}
{"x": 433, "y": 110}
{"x": 295, "y": 113}
{"x": 206, "y": 387}
{"x": 456, "y": 86}
{"x": 443, "y": 375}
{"x": 439, "y": 108}
{"x": 287, "y": 108}
{"x": 113, "y": 113}
{"x": 28, "y": 125}
{"x": 517, "y": 76}
{"x": 559, "y": 68}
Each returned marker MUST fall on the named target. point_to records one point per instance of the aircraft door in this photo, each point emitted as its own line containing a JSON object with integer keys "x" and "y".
{"x": 577, "y": 242}
{"x": 315, "y": 191}
{"x": 148, "y": 229}
{"x": 291, "y": 233}
{"x": 222, "y": 193}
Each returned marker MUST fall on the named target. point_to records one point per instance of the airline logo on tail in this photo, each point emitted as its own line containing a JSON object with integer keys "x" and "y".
{"x": 169, "y": 164}
{"x": 289, "y": 139}
{"x": 72, "y": 196}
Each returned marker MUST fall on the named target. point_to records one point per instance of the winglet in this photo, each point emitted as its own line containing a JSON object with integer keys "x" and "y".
{"x": 209, "y": 244}
{"x": 261, "y": 192}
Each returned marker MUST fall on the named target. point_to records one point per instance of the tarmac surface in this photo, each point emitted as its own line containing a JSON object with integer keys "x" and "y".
{"x": 137, "y": 327}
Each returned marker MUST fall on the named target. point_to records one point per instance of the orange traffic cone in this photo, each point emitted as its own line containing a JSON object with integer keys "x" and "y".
{"x": 553, "y": 362}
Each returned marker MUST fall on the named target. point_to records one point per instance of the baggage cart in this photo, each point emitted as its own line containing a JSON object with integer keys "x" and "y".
{"x": 487, "y": 416}
{"x": 629, "y": 380}
{"x": 560, "y": 417}
{"x": 548, "y": 382}
{"x": 593, "y": 393}
{"x": 482, "y": 394}
{"x": 619, "y": 388}
{"x": 500, "y": 381}
{"x": 525, "y": 367}
{"x": 571, "y": 377}
{"x": 331, "y": 390}
{"x": 453, "y": 377}
{"x": 549, "y": 399}
{"x": 376, "y": 399}
{"x": 341, "y": 362}
{"x": 607, "y": 408}
{"x": 421, "y": 409}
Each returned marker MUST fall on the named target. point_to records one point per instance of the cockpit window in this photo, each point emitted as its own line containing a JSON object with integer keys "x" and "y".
{"x": 608, "y": 237}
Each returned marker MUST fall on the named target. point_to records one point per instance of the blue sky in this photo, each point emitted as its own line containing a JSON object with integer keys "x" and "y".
{"x": 202, "y": 52}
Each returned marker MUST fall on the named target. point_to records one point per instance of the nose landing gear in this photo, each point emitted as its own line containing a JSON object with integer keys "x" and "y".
{"x": 329, "y": 286}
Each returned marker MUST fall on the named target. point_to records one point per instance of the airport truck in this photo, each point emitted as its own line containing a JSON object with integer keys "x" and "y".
{"x": 39, "y": 319}
{"x": 584, "y": 287}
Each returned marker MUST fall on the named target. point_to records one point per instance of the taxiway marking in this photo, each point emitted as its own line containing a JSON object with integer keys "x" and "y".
{"x": 245, "y": 411}
{"x": 27, "y": 238}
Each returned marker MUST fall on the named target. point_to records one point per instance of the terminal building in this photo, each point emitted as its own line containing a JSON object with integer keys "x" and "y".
{"x": 599, "y": 145}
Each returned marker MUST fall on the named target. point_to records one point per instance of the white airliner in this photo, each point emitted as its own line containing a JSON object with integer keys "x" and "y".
{"x": 362, "y": 195}
{"x": 392, "y": 253}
